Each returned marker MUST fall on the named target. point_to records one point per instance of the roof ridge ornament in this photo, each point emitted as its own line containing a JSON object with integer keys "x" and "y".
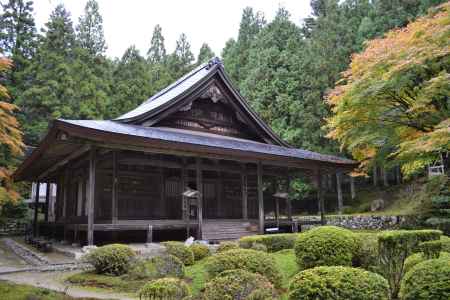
{"x": 214, "y": 61}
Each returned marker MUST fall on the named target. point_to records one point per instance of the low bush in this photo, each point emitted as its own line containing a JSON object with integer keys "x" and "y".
{"x": 419, "y": 257}
{"x": 395, "y": 247}
{"x": 165, "y": 289}
{"x": 259, "y": 247}
{"x": 445, "y": 243}
{"x": 338, "y": 283}
{"x": 431, "y": 249}
{"x": 325, "y": 246}
{"x": 157, "y": 267}
{"x": 114, "y": 259}
{"x": 180, "y": 250}
{"x": 273, "y": 242}
{"x": 200, "y": 251}
{"x": 427, "y": 280}
{"x": 239, "y": 284}
{"x": 245, "y": 259}
{"x": 366, "y": 252}
{"x": 225, "y": 246}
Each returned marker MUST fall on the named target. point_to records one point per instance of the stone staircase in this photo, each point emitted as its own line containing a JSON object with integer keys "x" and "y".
{"x": 220, "y": 230}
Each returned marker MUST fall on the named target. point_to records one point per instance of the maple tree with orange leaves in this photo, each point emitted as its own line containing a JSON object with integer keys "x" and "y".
{"x": 393, "y": 103}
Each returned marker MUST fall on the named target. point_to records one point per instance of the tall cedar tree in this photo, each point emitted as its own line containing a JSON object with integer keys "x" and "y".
{"x": 156, "y": 54}
{"x": 10, "y": 139}
{"x": 180, "y": 61}
{"x": 205, "y": 54}
{"x": 90, "y": 30}
{"x": 17, "y": 41}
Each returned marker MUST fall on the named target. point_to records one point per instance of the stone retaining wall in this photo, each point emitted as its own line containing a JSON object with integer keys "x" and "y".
{"x": 12, "y": 227}
{"x": 367, "y": 222}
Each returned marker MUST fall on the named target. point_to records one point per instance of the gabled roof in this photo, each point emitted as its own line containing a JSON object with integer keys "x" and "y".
{"x": 188, "y": 85}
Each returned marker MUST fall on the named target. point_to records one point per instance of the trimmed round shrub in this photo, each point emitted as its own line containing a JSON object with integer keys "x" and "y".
{"x": 114, "y": 259}
{"x": 200, "y": 251}
{"x": 325, "y": 246}
{"x": 180, "y": 250}
{"x": 157, "y": 267}
{"x": 419, "y": 257}
{"x": 225, "y": 246}
{"x": 165, "y": 289}
{"x": 338, "y": 283}
{"x": 259, "y": 247}
{"x": 427, "y": 280}
{"x": 245, "y": 259}
{"x": 366, "y": 252}
{"x": 239, "y": 284}
{"x": 273, "y": 242}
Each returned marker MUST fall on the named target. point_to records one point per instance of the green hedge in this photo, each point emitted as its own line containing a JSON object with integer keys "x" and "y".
{"x": 419, "y": 257}
{"x": 178, "y": 249}
{"x": 225, "y": 246}
{"x": 431, "y": 249}
{"x": 325, "y": 246}
{"x": 114, "y": 259}
{"x": 157, "y": 267}
{"x": 245, "y": 259}
{"x": 259, "y": 247}
{"x": 366, "y": 252}
{"x": 445, "y": 242}
{"x": 239, "y": 284}
{"x": 427, "y": 280}
{"x": 273, "y": 242}
{"x": 395, "y": 247}
{"x": 200, "y": 251}
{"x": 165, "y": 289}
{"x": 338, "y": 283}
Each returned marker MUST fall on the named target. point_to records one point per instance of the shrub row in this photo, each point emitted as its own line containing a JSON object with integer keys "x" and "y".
{"x": 245, "y": 259}
{"x": 199, "y": 251}
{"x": 180, "y": 250}
{"x": 157, "y": 267}
{"x": 165, "y": 289}
{"x": 273, "y": 242}
{"x": 419, "y": 257}
{"x": 225, "y": 246}
{"x": 114, "y": 259}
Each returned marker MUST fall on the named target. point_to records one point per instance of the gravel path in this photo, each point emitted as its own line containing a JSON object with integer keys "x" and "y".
{"x": 54, "y": 281}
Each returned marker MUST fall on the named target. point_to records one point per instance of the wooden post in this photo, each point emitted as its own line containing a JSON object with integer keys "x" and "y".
{"x": 36, "y": 204}
{"x": 375, "y": 176}
{"x": 91, "y": 200}
{"x": 114, "y": 209}
{"x": 339, "y": 191}
{"x": 320, "y": 197}
{"x": 199, "y": 198}
{"x": 150, "y": 234}
{"x": 259, "y": 172}
{"x": 398, "y": 175}
{"x": 276, "y": 203}
{"x": 244, "y": 193}
{"x": 184, "y": 205}
{"x": 288, "y": 200}
{"x": 65, "y": 196}
{"x": 47, "y": 201}
{"x": 352, "y": 187}
{"x": 385, "y": 177}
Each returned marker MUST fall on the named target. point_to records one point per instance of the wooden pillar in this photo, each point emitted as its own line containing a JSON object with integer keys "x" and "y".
{"x": 244, "y": 189}
{"x": 375, "y": 176}
{"x": 320, "y": 196}
{"x": 91, "y": 199}
{"x": 288, "y": 199}
{"x": 276, "y": 203}
{"x": 47, "y": 201}
{"x": 115, "y": 183}
{"x": 65, "y": 199}
{"x": 339, "y": 191}
{"x": 199, "y": 197}
{"x": 352, "y": 187}
{"x": 259, "y": 172}
{"x": 385, "y": 177}
{"x": 184, "y": 204}
{"x": 398, "y": 175}
{"x": 150, "y": 234}
{"x": 36, "y": 204}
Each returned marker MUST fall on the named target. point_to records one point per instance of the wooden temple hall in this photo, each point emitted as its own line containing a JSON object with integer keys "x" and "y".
{"x": 194, "y": 159}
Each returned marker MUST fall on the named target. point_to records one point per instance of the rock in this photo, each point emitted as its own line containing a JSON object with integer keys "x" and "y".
{"x": 86, "y": 249}
{"x": 189, "y": 241}
{"x": 377, "y": 204}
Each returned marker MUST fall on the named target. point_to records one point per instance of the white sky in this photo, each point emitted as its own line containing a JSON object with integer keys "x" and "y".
{"x": 128, "y": 22}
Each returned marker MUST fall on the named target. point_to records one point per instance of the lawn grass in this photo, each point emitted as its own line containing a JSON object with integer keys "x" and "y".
{"x": 11, "y": 291}
{"x": 120, "y": 284}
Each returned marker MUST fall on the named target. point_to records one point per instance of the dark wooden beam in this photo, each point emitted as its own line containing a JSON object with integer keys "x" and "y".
{"x": 339, "y": 192}
{"x": 260, "y": 197}
{"x": 199, "y": 198}
{"x": 114, "y": 201}
{"x": 36, "y": 205}
{"x": 320, "y": 196}
{"x": 288, "y": 199}
{"x": 47, "y": 201}
{"x": 91, "y": 199}
{"x": 64, "y": 161}
{"x": 244, "y": 189}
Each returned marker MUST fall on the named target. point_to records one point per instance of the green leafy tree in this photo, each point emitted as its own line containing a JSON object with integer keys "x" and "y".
{"x": 90, "y": 33}
{"x": 205, "y": 54}
{"x": 394, "y": 105}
